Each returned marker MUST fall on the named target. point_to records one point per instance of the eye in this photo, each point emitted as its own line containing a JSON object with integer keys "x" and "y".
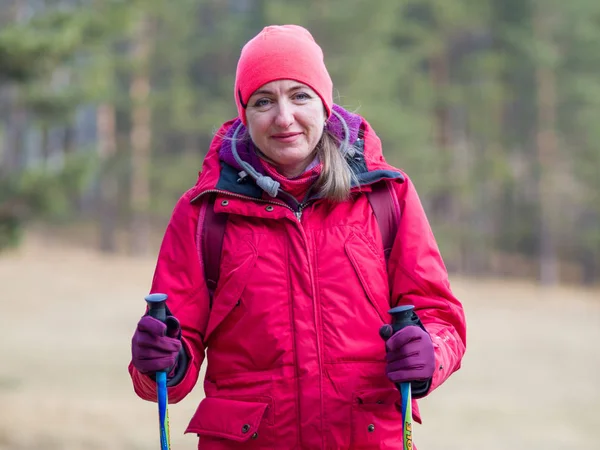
{"x": 302, "y": 96}
{"x": 261, "y": 103}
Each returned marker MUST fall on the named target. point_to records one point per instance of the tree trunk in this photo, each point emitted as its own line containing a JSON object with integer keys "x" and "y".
{"x": 588, "y": 256}
{"x": 45, "y": 145}
{"x": 440, "y": 77}
{"x": 12, "y": 160}
{"x": 547, "y": 148}
{"x": 140, "y": 138}
{"x": 69, "y": 139}
{"x": 108, "y": 189}
{"x": 445, "y": 204}
{"x": 16, "y": 123}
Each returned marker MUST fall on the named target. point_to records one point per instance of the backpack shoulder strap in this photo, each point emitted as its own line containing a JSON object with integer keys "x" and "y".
{"x": 384, "y": 202}
{"x": 212, "y": 231}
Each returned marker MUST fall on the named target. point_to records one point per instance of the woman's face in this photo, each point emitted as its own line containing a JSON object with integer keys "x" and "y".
{"x": 286, "y": 119}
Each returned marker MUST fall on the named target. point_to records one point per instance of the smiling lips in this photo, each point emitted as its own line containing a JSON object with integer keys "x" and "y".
{"x": 286, "y": 137}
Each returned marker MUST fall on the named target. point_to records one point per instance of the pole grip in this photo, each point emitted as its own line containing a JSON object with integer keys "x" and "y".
{"x": 157, "y": 307}
{"x": 404, "y": 316}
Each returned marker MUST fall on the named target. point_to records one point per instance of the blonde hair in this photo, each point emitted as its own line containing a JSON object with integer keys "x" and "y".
{"x": 335, "y": 180}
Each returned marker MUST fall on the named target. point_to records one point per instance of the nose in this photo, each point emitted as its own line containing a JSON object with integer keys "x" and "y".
{"x": 285, "y": 115}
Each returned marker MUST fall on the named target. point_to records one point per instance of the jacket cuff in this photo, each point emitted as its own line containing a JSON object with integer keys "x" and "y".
{"x": 420, "y": 389}
{"x": 180, "y": 369}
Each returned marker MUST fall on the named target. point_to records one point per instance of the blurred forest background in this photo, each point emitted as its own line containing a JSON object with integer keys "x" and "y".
{"x": 492, "y": 107}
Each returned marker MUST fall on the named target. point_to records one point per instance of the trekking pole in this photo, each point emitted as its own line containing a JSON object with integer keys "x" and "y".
{"x": 157, "y": 309}
{"x": 404, "y": 316}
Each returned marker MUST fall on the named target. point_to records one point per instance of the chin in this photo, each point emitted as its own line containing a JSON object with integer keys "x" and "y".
{"x": 290, "y": 157}
{"x": 291, "y": 161}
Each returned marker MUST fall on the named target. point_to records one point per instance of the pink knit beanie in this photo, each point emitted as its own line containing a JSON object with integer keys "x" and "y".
{"x": 277, "y": 53}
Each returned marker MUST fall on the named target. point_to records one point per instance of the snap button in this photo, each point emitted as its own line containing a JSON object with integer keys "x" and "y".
{"x": 245, "y": 428}
{"x": 225, "y": 203}
{"x": 269, "y": 208}
{"x": 254, "y": 436}
{"x": 371, "y": 428}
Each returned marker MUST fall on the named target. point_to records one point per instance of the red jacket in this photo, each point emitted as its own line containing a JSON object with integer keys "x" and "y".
{"x": 294, "y": 358}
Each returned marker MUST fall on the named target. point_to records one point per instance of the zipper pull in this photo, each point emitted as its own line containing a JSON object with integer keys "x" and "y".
{"x": 298, "y": 213}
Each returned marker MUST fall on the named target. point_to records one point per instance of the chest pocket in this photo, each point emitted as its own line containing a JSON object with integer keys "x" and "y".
{"x": 352, "y": 295}
{"x": 235, "y": 274}
{"x": 371, "y": 271}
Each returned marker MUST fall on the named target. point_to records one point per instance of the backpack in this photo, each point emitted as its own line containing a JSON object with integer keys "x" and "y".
{"x": 211, "y": 230}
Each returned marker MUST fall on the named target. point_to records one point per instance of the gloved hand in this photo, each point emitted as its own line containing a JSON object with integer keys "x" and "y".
{"x": 155, "y": 346}
{"x": 410, "y": 355}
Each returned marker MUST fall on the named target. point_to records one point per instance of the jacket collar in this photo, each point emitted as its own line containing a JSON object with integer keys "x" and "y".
{"x": 230, "y": 181}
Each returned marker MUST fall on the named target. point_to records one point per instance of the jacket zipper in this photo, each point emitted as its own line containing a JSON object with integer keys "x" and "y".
{"x": 298, "y": 215}
{"x": 300, "y": 210}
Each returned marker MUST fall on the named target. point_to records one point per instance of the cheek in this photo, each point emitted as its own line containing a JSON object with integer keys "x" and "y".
{"x": 256, "y": 129}
{"x": 318, "y": 125}
{"x": 317, "y": 130}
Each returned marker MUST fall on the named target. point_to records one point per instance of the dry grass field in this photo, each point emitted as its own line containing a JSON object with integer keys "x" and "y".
{"x": 530, "y": 379}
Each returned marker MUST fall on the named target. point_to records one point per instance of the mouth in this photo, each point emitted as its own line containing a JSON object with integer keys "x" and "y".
{"x": 286, "y": 137}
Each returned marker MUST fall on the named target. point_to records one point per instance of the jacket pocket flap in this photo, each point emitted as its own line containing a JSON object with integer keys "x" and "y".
{"x": 375, "y": 397}
{"x": 228, "y": 419}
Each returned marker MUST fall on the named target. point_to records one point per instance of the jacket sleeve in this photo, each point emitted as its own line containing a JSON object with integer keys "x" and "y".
{"x": 419, "y": 278}
{"x": 180, "y": 275}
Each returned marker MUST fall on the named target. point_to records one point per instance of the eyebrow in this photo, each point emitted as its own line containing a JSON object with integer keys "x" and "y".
{"x": 268, "y": 92}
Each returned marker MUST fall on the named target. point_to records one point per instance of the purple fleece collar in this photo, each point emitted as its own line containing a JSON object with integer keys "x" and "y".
{"x": 246, "y": 149}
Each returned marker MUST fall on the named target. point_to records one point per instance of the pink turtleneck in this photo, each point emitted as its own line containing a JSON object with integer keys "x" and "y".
{"x": 298, "y": 186}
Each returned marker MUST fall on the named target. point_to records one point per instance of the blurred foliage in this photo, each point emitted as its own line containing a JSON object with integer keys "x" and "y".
{"x": 491, "y": 106}
{"x": 42, "y": 193}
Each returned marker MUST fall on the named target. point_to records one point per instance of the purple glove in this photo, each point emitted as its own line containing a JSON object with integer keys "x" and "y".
{"x": 410, "y": 355}
{"x": 155, "y": 345}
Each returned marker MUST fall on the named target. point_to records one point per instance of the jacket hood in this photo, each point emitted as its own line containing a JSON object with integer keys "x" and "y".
{"x": 221, "y": 171}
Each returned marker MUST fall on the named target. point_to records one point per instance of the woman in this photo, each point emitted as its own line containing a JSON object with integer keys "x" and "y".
{"x": 291, "y": 332}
